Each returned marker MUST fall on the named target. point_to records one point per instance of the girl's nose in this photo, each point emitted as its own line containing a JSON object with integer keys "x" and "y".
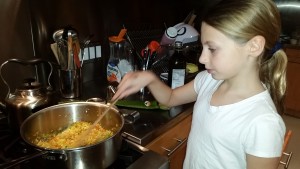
{"x": 203, "y": 58}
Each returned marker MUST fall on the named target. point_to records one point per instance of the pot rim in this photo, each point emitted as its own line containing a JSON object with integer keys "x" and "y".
{"x": 63, "y": 105}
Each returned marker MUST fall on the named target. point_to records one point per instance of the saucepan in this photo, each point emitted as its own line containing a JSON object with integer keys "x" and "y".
{"x": 99, "y": 155}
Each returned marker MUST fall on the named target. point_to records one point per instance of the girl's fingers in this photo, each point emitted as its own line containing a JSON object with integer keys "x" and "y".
{"x": 131, "y": 83}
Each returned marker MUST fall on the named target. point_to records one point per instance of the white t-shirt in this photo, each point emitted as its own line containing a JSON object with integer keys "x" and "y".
{"x": 220, "y": 137}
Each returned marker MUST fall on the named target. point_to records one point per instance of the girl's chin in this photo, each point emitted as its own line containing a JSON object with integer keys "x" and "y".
{"x": 213, "y": 74}
{"x": 209, "y": 71}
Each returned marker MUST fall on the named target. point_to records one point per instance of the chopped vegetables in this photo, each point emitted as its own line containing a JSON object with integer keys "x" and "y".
{"x": 66, "y": 138}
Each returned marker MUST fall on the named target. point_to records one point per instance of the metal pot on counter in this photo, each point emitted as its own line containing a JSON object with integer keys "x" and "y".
{"x": 97, "y": 156}
{"x": 28, "y": 98}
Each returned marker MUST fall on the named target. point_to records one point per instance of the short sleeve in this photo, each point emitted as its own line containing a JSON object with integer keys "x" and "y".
{"x": 203, "y": 80}
{"x": 265, "y": 136}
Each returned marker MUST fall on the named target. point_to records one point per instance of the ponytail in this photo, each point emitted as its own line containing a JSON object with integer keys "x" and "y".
{"x": 273, "y": 74}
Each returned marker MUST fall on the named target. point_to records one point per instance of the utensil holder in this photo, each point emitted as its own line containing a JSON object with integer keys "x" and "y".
{"x": 70, "y": 82}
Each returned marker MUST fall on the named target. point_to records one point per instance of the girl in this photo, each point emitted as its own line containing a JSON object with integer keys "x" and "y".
{"x": 235, "y": 124}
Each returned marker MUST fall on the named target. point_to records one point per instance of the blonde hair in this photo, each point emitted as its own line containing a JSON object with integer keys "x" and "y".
{"x": 243, "y": 20}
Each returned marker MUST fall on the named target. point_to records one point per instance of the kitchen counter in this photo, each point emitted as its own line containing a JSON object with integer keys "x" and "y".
{"x": 188, "y": 109}
{"x": 152, "y": 124}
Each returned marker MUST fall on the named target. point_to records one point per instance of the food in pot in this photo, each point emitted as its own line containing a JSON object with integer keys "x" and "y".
{"x": 65, "y": 139}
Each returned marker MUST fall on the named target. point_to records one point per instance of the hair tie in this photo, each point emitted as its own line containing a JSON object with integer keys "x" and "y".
{"x": 277, "y": 47}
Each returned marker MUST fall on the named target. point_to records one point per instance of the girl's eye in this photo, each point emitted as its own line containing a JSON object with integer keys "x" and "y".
{"x": 212, "y": 50}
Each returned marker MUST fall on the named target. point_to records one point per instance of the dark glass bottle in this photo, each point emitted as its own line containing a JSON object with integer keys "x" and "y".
{"x": 177, "y": 66}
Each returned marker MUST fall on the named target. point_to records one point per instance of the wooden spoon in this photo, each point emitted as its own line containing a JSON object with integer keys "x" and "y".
{"x": 79, "y": 140}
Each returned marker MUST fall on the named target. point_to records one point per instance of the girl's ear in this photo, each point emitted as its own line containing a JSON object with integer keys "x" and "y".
{"x": 256, "y": 45}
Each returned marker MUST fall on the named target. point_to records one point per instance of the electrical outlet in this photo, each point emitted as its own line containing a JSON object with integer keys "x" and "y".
{"x": 85, "y": 55}
{"x": 98, "y": 51}
{"x": 92, "y": 52}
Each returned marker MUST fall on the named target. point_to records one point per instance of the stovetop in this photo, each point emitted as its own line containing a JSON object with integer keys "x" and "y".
{"x": 131, "y": 156}
{"x": 141, "y": 125}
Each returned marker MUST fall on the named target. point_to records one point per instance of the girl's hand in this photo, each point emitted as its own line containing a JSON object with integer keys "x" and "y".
{"x": 132, "y": 82}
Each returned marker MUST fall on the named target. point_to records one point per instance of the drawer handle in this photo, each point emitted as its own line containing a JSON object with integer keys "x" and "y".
{"x": 287, "y": 162}
{"x": 170, "y": 152}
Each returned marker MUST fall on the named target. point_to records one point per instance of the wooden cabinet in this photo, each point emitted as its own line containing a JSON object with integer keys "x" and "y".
{"x": 292, "y": 100}
{"x": 173, "y": 143}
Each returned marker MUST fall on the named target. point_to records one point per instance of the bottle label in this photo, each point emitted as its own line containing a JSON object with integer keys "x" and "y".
{"x": 113, "y": 72}
{"x": 178, "y": 77}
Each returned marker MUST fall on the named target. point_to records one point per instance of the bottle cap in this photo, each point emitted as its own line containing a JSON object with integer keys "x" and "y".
{"x": 178, "y": 44}
{"x": 118, "y": 38}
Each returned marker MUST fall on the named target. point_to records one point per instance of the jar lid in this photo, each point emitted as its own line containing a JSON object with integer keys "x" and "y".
{"x": 115, "y": 39}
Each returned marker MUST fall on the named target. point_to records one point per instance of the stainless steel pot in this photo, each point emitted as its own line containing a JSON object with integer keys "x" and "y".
{"x": 97, "y": 156}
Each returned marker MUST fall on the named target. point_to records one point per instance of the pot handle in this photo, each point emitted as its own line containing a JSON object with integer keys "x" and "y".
{"x": 20, "y": 160}
{"x": 26, "y": 62}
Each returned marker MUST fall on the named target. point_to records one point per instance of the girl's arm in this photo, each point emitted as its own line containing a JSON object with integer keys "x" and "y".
{"x": 132, "y": 82}
{"x": 254, "y": 162}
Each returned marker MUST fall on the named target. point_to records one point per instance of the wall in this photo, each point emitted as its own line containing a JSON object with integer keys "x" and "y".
{"x": 99, "y": 19}
{"x": 28, "y": 26}
{"x": 16, "y": 39}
